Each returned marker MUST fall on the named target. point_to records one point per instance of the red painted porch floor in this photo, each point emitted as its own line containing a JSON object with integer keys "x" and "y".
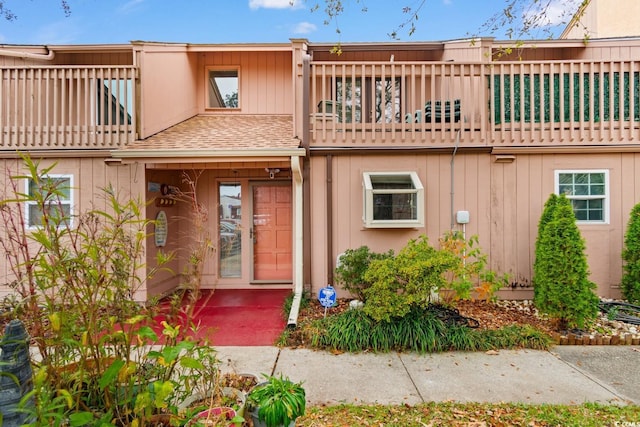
{"x": 240, "y": 317}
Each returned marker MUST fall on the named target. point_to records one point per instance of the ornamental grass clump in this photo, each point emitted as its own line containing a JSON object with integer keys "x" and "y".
{"x": 355, "y": 331}
{"x": 276, "y": 402}
{"x": 420, "y": 330}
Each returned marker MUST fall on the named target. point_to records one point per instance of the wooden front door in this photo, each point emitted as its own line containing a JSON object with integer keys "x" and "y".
{"x": 272, "y": 238}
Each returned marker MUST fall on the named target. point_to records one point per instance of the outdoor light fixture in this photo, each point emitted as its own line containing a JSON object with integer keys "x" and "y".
{"x": 272, "y": 172}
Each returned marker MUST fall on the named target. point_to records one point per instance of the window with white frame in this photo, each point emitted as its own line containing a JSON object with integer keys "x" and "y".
{"x": 223, "y": 88}
{"x": 393, "y": 200}
{"x": 55, "y": 192}
{"x": 588, "y": 191}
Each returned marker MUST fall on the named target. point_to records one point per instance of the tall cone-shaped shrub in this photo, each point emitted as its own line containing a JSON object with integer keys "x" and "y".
{"x": 539, "y": 292}
{"x": 631, "y": 257}
{"x": 564, "y": 291}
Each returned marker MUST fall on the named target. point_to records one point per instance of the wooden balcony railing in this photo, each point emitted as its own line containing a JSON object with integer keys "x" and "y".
{"x": 490, "y": 104}
{"x": 67, "y": 107}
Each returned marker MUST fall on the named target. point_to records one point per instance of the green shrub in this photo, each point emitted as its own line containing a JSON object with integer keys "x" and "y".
{"x": 419, "y": 272}
{"x": 631, "y": 257}
{"x": 406, "y": 280}
{"x": 539, "y": 291}
{"x": 563, "y": 290}
{"x": 470, "y": 276}
{"x": 352, "y": 267}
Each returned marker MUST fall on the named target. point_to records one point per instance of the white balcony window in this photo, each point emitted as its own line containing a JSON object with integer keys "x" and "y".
{"x": 393, "y": 200}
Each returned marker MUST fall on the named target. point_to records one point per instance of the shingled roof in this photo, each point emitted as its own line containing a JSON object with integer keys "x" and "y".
{"x": 222, "y": 132}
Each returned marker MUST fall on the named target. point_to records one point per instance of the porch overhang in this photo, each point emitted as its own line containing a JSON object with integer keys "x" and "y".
{"x": 218, "y": 138}
{"x": 207, "y": 156}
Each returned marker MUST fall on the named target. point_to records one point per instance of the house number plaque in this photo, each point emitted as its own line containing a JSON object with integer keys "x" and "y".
{"x": 161, "y": 229}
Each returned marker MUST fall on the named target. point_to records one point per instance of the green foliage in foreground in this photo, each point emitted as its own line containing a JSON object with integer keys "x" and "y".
{"x": 631, "y": 258}
{"x": 423, "y": 331}
{"x": 467, "y": 414}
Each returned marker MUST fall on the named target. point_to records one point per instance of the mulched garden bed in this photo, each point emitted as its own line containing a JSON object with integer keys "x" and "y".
{"x": 495, "y": 315}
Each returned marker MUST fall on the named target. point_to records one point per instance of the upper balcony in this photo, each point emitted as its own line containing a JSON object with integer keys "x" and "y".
{"x": 67, "y": 107}
{"x": 507, "y": 104}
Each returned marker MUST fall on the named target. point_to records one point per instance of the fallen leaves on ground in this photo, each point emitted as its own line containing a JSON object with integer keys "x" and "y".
{"x": 490, "y": 315}
{"x": 468, "y": 415}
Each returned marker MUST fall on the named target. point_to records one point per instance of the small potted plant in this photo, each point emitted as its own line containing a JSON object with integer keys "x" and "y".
{"x": 276, "y": 402}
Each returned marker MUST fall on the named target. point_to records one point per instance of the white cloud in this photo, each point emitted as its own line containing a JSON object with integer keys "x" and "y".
{"x": 304, "y": 28}
{"x": 557, "y": 12}
{"x": 275, "y": 4}
{"x": 130, "y": 6}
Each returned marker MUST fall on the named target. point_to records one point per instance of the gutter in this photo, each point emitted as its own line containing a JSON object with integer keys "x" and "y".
{"x": 41, "y": 56}
{"x": 180, "y": 155}
{"x": 298, "y": 242}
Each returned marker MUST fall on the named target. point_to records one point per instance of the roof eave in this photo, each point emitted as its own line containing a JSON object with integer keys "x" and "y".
{"x": 180, "y": 155}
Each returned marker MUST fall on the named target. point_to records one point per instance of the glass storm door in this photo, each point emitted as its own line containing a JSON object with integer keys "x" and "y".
{"x": 230, "y": 231}
{"x": 271, "y": 232}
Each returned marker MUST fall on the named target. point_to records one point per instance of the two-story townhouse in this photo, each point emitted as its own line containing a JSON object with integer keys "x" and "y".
{"x": 305, "y": 154}
{"x": 423, "y": 138}
{"x": 140, "y": 116}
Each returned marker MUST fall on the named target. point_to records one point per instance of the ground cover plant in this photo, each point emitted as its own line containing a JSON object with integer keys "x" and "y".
{"x": 471, "y": 414}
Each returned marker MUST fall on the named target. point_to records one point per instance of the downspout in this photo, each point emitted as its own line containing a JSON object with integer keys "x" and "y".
{"x": 329, "y": 215}
{"x": 26, "y": 55}
{"x": 453, "y": 158}
{"x": 306, "y": 169}
{"x": 298, "y": 240}
{"x": 302, "y": 192}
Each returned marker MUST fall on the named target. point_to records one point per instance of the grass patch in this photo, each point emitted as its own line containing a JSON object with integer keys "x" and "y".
{"x": 467, "y": 414}
{"x": 422, "y": 331}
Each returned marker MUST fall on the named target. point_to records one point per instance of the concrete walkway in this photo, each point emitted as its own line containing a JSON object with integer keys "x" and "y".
{"x": 564, "y": 375}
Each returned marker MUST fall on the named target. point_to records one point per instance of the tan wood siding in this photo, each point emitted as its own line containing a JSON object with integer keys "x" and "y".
{"x": 90, "y": 175}
{"x": 266, "y": 80}
{"x": 505, "y": 201}
{"x": 169, "y": 92}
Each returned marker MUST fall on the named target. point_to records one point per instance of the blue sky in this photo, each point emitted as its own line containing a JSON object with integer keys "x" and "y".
{"x": 236, "y": 21}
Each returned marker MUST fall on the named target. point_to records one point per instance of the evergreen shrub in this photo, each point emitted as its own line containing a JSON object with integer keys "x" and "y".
{"x": 562, "y": 287}
{"x": 631, "y": 258}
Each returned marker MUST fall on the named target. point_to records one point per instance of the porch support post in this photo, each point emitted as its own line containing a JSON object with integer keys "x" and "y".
{"x": 298, "y": 241}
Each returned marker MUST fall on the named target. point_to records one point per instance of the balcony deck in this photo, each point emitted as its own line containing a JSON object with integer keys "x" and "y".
{"x": 358, "y": 104}
{"x": 76, "y": 107}
{"x": 541, "y": 104}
